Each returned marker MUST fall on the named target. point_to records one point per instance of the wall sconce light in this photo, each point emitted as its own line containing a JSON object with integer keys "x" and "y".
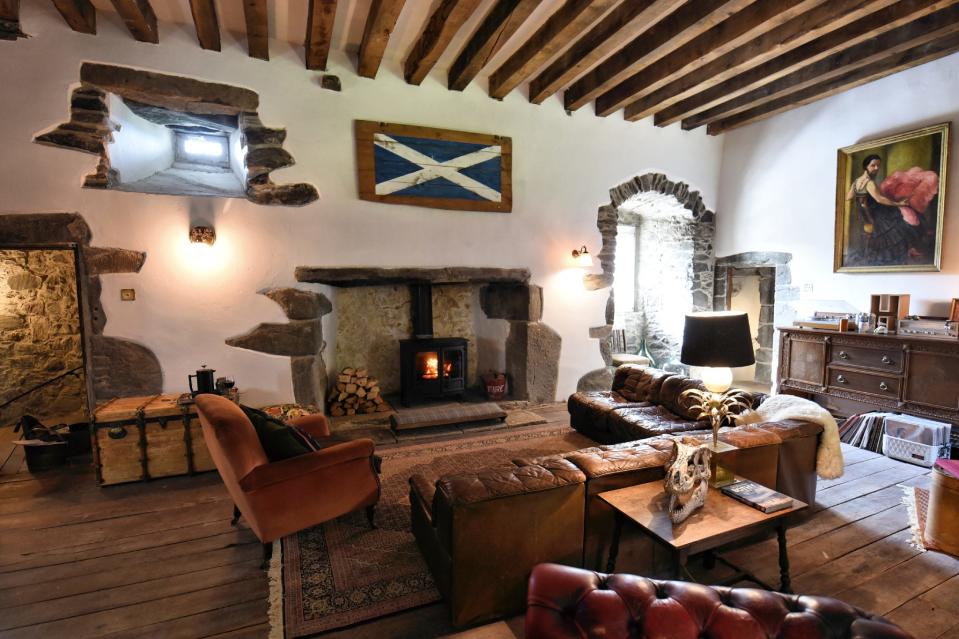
{"x": 582, "y": 257}
{"x": 202, "y": 235}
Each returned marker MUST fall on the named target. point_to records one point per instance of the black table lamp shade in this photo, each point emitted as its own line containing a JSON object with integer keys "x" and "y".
{"x": 720, "y": 339}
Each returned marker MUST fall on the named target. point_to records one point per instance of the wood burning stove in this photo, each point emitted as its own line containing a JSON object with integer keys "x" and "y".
{"x": 430, "y": 368}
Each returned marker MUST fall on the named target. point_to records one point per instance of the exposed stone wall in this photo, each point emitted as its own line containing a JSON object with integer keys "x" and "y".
{"x": 117, "y": 367}
{"x": 775, "y": 294}
{"x": 300, "y": 339}
{"x": 372, "y": 319}
{"x": 675, "y": 258}
{"x": 40, "y": 334}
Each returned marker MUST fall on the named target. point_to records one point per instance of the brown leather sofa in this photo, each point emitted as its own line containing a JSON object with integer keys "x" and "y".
{"x": 570, "y": 603}
{"x": 643, "y": 402}
{"x": 279, "y": 498}
{"x": 482, "y": 532}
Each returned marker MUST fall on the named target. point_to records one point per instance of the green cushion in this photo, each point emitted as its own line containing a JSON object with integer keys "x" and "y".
{"x": 279, "y": 441}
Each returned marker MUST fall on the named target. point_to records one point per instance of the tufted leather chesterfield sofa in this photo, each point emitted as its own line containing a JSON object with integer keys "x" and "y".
{"x": 570, "y": 603}
{"x": 643, "y": 402}
{"x": 481, "y": 532}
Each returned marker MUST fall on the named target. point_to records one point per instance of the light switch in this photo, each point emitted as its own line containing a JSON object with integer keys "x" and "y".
{"x": 128, "y": 294}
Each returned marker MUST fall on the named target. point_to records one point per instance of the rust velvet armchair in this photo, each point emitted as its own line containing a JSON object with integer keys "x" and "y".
{"x": 280, "y": 498}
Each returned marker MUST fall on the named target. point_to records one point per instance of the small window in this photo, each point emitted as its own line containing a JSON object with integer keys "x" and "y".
{"x": 212, "y": 150}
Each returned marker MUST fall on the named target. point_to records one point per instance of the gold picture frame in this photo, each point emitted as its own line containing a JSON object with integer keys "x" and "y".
{"x": 890, "y": 202}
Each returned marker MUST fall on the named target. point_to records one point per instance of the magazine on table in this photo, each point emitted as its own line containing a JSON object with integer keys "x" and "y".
{"x": 758, "y": 496}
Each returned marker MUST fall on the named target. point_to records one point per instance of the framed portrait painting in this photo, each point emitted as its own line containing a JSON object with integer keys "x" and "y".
{"x": 890, "y": 202}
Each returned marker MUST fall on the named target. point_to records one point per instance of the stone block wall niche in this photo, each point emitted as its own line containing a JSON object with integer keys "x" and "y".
{"x": 776, "y": 293}
{"x": 113, "y": 366}
{"x": 674, "y": 234}
{"x": 184, "y": 106}
{"x": 373, "y": 315}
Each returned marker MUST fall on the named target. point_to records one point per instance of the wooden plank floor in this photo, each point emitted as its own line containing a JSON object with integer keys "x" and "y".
{"x": 160, "y": 559}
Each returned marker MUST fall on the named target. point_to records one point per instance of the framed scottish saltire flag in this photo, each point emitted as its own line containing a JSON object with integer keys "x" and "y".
{"x": 437, "y": 168}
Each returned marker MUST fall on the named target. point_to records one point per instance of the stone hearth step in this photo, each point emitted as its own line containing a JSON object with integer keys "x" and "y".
{"x": 445, "y": 414}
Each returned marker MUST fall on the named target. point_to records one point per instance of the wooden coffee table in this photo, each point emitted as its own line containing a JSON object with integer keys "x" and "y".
{"x": 721, "y": 521}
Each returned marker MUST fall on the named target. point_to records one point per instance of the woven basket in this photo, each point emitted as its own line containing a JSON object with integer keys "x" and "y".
{"x": 942, "y": 518}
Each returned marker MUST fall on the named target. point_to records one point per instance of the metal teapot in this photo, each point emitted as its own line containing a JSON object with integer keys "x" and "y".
{"x": 204, "y": 381}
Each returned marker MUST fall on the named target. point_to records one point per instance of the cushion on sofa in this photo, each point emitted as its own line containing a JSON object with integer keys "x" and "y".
{"x": 279, "y": 441}
{"x": 641, "y": 384}
{"x": 626, "y": 424}
{"x": 591, "y": 408}
{"x": 671, "y": 396}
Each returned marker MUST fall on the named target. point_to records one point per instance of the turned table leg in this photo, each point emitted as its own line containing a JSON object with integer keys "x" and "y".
{"x": 614, "y": 546}
{"x": 785, "y": 584}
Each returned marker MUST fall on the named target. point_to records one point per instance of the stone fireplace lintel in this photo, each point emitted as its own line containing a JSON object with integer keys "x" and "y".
{"x": 350, "y": 276}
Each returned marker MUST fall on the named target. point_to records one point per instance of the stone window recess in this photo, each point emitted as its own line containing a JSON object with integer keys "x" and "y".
{"x": 114, "y": 367}
{"x": 667, "y": 251}
{"x": 157, "y": 133}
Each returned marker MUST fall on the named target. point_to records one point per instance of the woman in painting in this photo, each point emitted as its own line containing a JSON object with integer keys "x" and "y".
{"x": 892, "y": 236}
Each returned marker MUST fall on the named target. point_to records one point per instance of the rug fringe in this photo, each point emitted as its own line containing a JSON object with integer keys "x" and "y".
{"x": 909, "y": 501}
{"x": 275, "y": 575}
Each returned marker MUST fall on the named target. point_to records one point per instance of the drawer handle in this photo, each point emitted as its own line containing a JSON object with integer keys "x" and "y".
{"x": 886, "y": 359}
{"x": 883, "y": 386}
{"x": 843, "y": 355}
{"x": 841, "y": 379}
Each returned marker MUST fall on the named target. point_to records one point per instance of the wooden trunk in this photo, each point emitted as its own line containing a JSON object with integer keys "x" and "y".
{"x": 141, "y": 438}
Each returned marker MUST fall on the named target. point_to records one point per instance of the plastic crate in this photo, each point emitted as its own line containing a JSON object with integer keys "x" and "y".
{"x": 913, "y": 452}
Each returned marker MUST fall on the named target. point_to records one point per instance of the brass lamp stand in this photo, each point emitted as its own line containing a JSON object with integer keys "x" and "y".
{"x": 717, "y": 408}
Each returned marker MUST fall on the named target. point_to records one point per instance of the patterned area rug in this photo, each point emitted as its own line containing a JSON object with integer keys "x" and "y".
{"x": 342, "y": 573}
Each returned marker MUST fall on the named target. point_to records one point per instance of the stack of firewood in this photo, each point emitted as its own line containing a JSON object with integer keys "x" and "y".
{"x": 356, "y": 392}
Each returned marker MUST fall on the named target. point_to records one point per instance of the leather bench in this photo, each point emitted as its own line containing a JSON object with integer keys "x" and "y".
{"x": 570, "y": 603}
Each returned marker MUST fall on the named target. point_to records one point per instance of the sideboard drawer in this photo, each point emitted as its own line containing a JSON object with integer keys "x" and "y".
{"x": 885, "y": 359}
{"x": 881, "y": 385}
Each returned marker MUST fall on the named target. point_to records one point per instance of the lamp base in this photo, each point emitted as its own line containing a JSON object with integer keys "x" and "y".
{"x": 719, "y": 475}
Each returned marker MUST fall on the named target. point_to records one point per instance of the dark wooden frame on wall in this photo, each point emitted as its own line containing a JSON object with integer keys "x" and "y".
{"x": 365, "y": 130}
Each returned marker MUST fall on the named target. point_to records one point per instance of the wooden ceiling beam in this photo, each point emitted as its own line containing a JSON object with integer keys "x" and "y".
{"x": 437, "y": 34}
{"x": 873, "y": 25}
{"x": 893, "y": 64}
{"x": 622, "y": 24}
{"x": 80, "y": 15}
{"x": 786, "y": 37}
{"x": 139, "y": 18}
{"x": 206, "y": 23}
{"x": 740, "y": 29}
{"x": 560, "y": 29}
{"x": 380, "y": 23}
{"x": 678, "y": 28}
{"x": 257, "y": 28}
{"x": 867, "y": 54}
{"x": 499, "y": 25}
{"x": 319, "y": 33}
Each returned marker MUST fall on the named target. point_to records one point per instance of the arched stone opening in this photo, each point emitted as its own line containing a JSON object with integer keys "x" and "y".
{"x": 672, "y": 267}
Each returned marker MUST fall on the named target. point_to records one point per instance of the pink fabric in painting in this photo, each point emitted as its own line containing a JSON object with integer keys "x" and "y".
{"x": 917, "y": 186}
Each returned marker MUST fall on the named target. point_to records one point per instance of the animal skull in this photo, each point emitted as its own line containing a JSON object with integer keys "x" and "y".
{"x": 687, "y": 477}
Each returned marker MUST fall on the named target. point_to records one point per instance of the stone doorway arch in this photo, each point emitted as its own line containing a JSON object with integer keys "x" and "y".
{"x": 691, "y": 224}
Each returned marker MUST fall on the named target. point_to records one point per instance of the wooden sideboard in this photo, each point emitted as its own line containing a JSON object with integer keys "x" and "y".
{"x": 849, "y": 373}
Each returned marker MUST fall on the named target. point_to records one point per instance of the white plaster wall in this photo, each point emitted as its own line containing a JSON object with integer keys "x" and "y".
{"x": 140, "y": 148}
{"x": 778, "y": 186}
{"x": 190, "y": 298}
